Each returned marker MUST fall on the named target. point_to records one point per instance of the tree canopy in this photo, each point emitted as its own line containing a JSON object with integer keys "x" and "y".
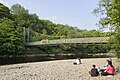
{"x": 110, "y": 9}
{"x": 4, "y": 11}
{"x": 10, "y": 35}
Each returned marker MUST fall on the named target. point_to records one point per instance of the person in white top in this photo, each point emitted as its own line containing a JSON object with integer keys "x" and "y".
{"x": 77, "y": 61}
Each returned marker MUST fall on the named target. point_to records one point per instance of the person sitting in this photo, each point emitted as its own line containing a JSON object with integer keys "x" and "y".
{"x": 94, "y": 71}
{"x": 109, "y": 70}
{"x": 110, "y": 59}
{"x": 77, "y": 61}
{"x": 105, "y": 67}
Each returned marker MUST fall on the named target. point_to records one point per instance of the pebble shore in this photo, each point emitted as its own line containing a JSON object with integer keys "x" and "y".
{"x": 56, "y": 70}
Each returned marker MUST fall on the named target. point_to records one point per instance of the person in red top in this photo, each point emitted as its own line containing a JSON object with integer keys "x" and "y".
{"x": 109, "y": 70}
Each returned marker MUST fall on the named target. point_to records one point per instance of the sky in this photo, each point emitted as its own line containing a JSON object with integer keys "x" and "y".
{"x": 77, "y": 13}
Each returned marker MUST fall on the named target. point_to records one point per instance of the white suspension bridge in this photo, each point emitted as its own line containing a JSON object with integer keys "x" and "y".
{"x": 90, "y": 40}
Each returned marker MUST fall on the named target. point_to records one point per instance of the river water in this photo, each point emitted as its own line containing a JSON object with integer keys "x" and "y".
{"x": 30, "y": 58}
{"x": 4, "y": 60}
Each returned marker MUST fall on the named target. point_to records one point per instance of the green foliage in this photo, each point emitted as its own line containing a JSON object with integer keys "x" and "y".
{"x": 22, "y": 16}
{"x": 36, "y": 37}
{"x": 116, "y": 40}
{"x": 10, "y": 37}
{"x": 18, "y": 9}
{"x": 110, "y": 9}
{"x": 4, "y": 11}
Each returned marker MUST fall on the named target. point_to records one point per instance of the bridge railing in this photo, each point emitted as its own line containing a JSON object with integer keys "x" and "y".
{"x": 72, "y": 40}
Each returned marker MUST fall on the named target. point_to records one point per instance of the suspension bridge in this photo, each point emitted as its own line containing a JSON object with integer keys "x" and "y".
{"x": 90, "y": 40}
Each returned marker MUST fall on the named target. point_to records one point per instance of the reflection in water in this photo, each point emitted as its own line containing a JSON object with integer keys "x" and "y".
{"x": 29, "y": 58}
{"x": 37, "y": 58}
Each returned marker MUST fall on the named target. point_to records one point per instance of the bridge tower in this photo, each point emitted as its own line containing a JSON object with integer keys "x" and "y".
{"x": 26, "y": 34}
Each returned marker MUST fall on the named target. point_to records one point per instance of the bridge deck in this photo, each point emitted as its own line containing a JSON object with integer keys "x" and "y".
{"x": 72, "y": 40}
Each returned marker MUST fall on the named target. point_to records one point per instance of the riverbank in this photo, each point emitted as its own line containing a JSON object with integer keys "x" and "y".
{"x": 55, "y": 70}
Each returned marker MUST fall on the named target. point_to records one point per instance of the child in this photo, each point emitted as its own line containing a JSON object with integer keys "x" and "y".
{"x": 94, "y": 71}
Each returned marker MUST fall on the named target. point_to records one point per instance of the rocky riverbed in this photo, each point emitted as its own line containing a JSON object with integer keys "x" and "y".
{"x": 56, "y": 70}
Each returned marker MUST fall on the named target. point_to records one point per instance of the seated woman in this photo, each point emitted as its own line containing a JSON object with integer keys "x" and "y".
{"x": 77, "y": 61}
{"x": 105, "y": 67}
{"x": 109, "y": 70}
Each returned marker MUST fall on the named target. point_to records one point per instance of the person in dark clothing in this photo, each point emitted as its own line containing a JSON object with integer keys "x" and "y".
{"x": 94, "y": 71}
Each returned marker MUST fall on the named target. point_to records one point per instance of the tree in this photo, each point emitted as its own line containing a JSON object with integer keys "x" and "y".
{"x": 22, "y": 18}
{"x": 20, "y": 15}
{"x": 10, "y": 38}
{"x": 4, "y": 11}
{"x": 110, "y": 9}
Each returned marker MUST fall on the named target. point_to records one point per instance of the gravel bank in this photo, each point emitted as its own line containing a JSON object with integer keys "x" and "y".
{"x": 55, "y": 70}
